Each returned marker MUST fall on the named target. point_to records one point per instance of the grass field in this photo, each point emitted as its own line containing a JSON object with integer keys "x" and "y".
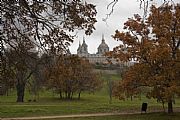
{"x": 50, "y": 104}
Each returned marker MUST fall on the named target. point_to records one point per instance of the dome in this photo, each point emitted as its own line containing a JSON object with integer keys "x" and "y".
{"x": 103, "y": 47}
{"x": 103, "y": 44}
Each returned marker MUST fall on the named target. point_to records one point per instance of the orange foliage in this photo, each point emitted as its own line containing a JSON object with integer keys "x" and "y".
{"x": 71, "y": 74}
{"x": 155, "y": 45}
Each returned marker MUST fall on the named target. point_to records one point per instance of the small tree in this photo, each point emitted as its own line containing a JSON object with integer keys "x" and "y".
{"x": 71, "y": 74}
{"x": 154, "y": 44}
{"x": 21, "y": 65}
{"x": 88, "y": 80}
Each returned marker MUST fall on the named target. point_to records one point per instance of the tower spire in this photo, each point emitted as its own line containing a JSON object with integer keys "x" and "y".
{"x": 103, "y": 38}
{"x": 83, "y": 39}
{"x": 79, "y": 43}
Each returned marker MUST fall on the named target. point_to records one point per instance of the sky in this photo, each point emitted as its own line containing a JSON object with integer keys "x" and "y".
{"x": 123, "y": 10}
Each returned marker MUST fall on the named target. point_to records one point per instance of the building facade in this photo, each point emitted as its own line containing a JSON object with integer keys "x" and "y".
{"x": 99, "y": 57}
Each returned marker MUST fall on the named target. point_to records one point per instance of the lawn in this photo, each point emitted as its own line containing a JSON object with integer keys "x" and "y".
{"x": 90, "y": 103}
{"x": 50, "y": 104}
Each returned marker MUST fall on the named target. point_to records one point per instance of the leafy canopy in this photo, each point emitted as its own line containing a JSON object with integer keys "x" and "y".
{"x": 154, "y": 44}
{"x": 46, "y": 24}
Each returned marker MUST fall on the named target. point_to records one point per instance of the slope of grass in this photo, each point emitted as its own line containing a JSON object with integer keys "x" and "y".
{"x": 90, "y": 103}
{"x": 50, "y": 104}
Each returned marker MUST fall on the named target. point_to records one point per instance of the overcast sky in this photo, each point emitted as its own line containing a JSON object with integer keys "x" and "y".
{"x": 123, "y": 10}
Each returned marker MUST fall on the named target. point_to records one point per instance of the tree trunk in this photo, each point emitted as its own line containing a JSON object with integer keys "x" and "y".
{"x": 69, "y": 95}
{"x": 20, "y": 92}
{"x": 60, "y": 94}
{"x": 66, "y": 96}
{"x": 163, "y": 106}
{"x": 72, "y": 95}
{"x": 79, "y": 95}
{"x": 170, "y": 106}
{"x": 7, "y": 91}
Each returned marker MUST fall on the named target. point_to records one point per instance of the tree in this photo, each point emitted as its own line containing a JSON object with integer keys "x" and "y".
{"x": 7, "y": 75}
{"x": 88, "y": 80}
{"x": 45, "y": 23}
{"x": 71, "y": 74}
{"x": 36, "y": 81}
{"x": 144, "y": 4}
{"x": 154, "y": 45}
{"x": 21, "y": 64}
{"x": 28, "y": 25}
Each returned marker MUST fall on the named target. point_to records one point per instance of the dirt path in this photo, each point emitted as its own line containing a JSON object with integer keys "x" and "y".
{"x": 69, "y": 116}
{"x": 82, "y": 115}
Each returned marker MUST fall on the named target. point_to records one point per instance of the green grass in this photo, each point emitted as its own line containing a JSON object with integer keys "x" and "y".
{"x": 50, "y": 104}
{"x": 106, "y": 77}
{"x": 90, "y": 103}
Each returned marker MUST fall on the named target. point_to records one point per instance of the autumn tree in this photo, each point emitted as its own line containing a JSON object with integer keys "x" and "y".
{"x": 7, "y": 75}
{"x": 45, "y": 23}
{"x": 71, "y": 75}
{"x": 88, "y": 80}
{"x": 154, "y": 44}
{"x": 41, "y": 24}
{"x": 20, "y": 66}
{"x": 36, "y": 81}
